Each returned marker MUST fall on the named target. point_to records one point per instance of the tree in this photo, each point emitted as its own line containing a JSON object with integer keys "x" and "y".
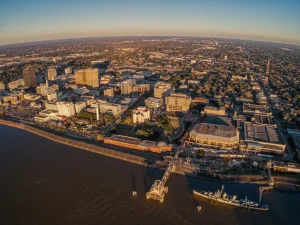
{"x": 201, "y": 153}
{"x": 109, "y": 119}
{"x": 100, "y": 136}
{"x": 145, "y": 132}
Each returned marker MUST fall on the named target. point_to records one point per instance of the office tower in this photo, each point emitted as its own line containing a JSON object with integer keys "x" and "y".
{"x": 127, "y": 86}
{"x": 178, "y": 103}
{"x": 50, "y": 74}
{"x": 29, "y": 76}
{"x": 87, "y": 77}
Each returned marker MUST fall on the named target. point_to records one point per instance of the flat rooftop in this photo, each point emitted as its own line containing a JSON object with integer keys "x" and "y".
{"x": 262, "y": 133}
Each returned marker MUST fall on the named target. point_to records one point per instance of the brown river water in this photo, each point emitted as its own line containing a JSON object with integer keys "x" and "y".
{"x": 47, "y": 183}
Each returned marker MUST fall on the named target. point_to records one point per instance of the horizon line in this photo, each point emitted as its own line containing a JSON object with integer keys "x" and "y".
{"x": 153, "y": 36}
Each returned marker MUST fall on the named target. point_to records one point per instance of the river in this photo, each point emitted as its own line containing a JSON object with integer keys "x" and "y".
{"x": 43, "y": 182}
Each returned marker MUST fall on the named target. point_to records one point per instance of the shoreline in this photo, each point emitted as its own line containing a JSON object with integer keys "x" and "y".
{"x": 127, "y": 157}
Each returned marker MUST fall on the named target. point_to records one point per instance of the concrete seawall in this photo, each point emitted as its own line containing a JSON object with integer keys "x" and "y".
{"x": 78, "y": 144}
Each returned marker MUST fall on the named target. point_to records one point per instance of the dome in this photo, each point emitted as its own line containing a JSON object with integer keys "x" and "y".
{"x": 161, "y": 144}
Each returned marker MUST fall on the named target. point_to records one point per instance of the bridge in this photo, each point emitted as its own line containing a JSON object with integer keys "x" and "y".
{"x": 158, "y": 189}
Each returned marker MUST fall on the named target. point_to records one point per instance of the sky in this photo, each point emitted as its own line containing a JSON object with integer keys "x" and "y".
{"x": 34, "y": 20}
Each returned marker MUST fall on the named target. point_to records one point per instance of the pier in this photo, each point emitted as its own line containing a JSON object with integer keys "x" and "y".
{"x": 271, "y": 182}
{"x": 158, "y": 189}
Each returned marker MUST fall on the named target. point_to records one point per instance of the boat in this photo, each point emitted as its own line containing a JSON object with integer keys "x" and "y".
{"x": 222, "y": 197}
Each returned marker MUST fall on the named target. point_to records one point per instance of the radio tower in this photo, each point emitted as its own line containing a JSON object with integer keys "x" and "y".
{"x": 267, "y": 73}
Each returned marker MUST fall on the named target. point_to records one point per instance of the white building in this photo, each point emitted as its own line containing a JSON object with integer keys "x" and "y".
{"x": 141, "y": 114}
{"x": 51, "y": 106}
{"x": 104, "y": 107}
{"x": 153, "y": 103}
{"x": 66, "y": 109}
{"x": 79, "y": 106}
{"x": 52, "y": 96}
{"x": 45, "y": 90}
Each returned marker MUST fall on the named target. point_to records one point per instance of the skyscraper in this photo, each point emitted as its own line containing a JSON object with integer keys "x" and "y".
{"x": 87, "y": 77}
{"x": 29, "y": 76}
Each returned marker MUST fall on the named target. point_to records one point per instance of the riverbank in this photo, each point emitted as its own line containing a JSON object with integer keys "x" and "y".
{"x": 183, "y": 170}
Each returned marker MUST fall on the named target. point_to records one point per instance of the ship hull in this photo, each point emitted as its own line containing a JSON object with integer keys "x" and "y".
{"x": 236, "y": 204}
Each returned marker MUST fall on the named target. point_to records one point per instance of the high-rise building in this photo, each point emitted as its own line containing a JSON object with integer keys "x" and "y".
{"x": 178, "y": 103}
{"x": 66, "y": 109}
{"x": 127, "y": 86}
{"x": 109, "y": 92}
{"x": 141, "y": 88}
{"x": 141, "y": 115}
{"x": 162, "y": 90}
{"x": 50, "y": 74}
{"x": 87, "y": 77}
{"x": 29, "y": 76}
{"x": 68, "y": 70}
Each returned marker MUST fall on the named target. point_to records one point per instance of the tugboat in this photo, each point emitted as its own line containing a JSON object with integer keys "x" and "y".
{"x": 222, "y": 197}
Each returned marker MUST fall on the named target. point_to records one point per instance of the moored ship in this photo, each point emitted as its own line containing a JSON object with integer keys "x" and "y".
{"x": 223, "y": 197}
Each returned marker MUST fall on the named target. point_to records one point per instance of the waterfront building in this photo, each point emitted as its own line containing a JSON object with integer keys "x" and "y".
{"x": 153, "y": 103}
{"x": 162, "y": 90}
{"x": 262, "y": 138}
{"x": 141, "y": 88}
{"x": 29, "y": 76}
{"x": 87, "y": 77}
{"x": 215, "y": 131}
{"x": 66, "y": 109}
{"x": 79, "y": 106}
{"x": 109, "y": 92}
{"x": 176, "y": 103}
{"x": 50, "y": 74}
{"x": 127, "y": 86}
{"x": 141, "y": 115}
{"x": 138, "y": 144}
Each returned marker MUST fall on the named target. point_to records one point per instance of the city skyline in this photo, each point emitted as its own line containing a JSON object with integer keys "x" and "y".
{"x": 273, "y": 21}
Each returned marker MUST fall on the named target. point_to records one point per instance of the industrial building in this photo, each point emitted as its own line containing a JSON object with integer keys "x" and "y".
{"x": 262, "y": 138}
{"x": 138, "y": 144}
